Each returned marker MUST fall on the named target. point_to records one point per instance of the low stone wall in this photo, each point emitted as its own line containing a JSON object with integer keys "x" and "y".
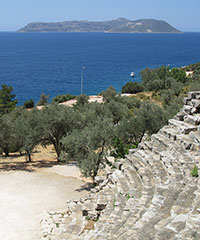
{"x": 149, "y": 195}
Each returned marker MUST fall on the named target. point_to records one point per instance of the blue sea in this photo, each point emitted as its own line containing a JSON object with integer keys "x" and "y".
{"x": 51, "y": 63}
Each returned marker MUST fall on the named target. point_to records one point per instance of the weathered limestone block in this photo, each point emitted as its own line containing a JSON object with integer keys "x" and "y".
{"x": 195, "y": 103}
{"x": 151, "y": 195}
{"x": 186, "y": 100}
{"x": 195, "y": 120}
{"x": 184, "y": 128}
{"x": 99, "y": 179}
{"x": 180, "y": 116}
{"x": 193, "y": 95}
{"x": 186, "y": 110}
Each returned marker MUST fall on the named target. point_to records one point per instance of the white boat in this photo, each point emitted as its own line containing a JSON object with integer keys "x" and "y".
{"x": 132, "y": 74}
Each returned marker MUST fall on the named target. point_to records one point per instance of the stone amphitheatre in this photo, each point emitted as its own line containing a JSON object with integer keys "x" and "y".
{"x": 148, "y": 195}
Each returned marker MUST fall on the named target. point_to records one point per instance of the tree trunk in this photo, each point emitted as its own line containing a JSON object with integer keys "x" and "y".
{"x": 56, "y": 145}
{"x": 28, "y": 156}
{"x": 98, "y": 164}
{"x": 141, "y": 136}
{"x": 6, "y": 151}
{"x": 57, "y": 148}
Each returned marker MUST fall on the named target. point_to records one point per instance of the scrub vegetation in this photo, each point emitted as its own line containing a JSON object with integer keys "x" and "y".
{"x": 89, "y": 132}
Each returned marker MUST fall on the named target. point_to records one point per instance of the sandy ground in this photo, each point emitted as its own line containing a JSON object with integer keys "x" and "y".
{"x": 26, "y": 194}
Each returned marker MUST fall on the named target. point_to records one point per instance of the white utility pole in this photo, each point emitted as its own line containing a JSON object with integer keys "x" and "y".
{"x": 82, "y": 69}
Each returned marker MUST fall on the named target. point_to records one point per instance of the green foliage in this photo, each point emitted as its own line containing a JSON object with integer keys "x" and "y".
{"x": 120, "y": 149}
{"x": 82, "y": 100}
{"x": 132, "y": 87}
{"x": 29, "y": 104}
{"x": 114, "y": 203}
{"x": 192, "y": 67}
{"x": 194, "y": 86}
{"x": 132, "y": 103}
{"x": 116, "y": 110}
{"x": 163, "y": 78}
{"x": 87, "y": 132}
{"x": 148, "y": 118}
{"x": 194, "y": 172}
{"x": 43, "y": 100}
{"x": 179, "y": 74}
{"x": 57, "y": 225}
{"x": 6, "y": 141}
{"x": 27, "y": 131}
{"x": 151, "y": 116}
{"x": 154, "y": 79}
{"x": 88, "y": 218}
{"x": 128, "y": 196}
{"x": 63, "y": 98}
{"x": 56, "y": 122}
{"x": 7, "y": 102}
{"x": 109, "y": 94}
{"x": 89, "y": 145}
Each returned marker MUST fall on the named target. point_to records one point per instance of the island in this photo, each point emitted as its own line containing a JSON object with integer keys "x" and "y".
{"x": 119, "y": 25}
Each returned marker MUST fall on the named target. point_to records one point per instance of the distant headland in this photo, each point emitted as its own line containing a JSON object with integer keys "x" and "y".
{"x": 119, "y": 25}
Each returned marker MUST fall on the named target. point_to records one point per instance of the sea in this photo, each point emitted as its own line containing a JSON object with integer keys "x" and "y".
{"x": 52, "y": 63}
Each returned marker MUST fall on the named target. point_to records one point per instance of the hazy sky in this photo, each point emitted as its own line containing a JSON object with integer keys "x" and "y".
{"x": 182, "y": 14}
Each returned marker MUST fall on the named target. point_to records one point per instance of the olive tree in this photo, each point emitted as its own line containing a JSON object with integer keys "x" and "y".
{"x": 148, "y": 118}
{"x": 27, "y": 131}
{"x": 56, "y": 122}
{"x": 89, "y": 146}
{"x": 6, "y": 141}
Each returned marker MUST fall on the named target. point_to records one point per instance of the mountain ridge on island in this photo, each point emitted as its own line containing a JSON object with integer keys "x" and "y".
{"x": 119, "y": 25}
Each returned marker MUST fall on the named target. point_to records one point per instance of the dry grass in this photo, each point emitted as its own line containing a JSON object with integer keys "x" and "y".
{"x": 144, "y": 96}
{"x": 89, "y": 225}
{"x": 41, "y": 157}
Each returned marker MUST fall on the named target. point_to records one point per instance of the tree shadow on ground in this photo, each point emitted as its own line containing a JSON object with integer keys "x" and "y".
{"x": 85, "y": 187}
{"x": 27, "y": 166}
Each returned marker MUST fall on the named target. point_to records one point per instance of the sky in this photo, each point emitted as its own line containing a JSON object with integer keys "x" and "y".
{"x": 182, "y": 14}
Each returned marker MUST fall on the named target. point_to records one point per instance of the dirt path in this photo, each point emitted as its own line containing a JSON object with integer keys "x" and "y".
{"x": 26, "y": 195}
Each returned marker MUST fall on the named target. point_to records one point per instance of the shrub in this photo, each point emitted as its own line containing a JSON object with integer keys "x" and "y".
{"x": 7, "y": 101}
{"x": 109, "y": 94}
{"x": 194, "y": 172}
{"x": 43, "y": 100}
{"x": 29, "y": 104}
{"x": 82, "y": 100}
{"x": 120, "y": 149}
{"x": 132, "y": 87}
{"x": 63, "y": 98}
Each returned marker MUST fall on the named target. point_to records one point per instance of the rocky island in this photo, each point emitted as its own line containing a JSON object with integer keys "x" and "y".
{"x": 120, "y": 25}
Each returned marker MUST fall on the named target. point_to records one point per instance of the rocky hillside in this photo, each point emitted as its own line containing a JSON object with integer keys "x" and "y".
{"x": 154, "y": 193}
{"x": 120, "y": 25}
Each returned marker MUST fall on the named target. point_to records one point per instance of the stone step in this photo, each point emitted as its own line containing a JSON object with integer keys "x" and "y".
{"x": 154, "y": 146}
{"x": 167, "y": 158}
{"x": 183, "y": 127}
{"x": 192, "y": 119}
{"x": 143, "y": 201}
{"x": 158, "y": 169}
{"x": 195, "y": 137}
{"x": 180, "y": 212}
{"x": 155, "y": 213}
{"x": 150, "y": 195}
{"x": 169, "y": 132}
{"x": 180, "y": 139}
{"x": 120, "y": 181}
{"x": 162, "y": 140}
{"x": 135, "y": 181}
{"x": 175, "y": 157}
